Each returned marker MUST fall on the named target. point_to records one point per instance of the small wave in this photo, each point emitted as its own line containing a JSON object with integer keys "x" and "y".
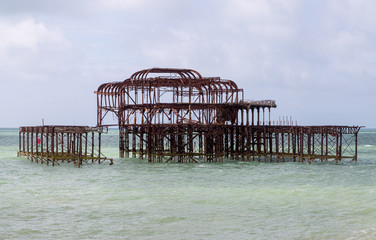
{"x": 363, "y": 234}
{"x": 368, "y": 145}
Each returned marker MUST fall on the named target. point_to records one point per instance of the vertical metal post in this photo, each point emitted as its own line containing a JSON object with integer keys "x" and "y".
{"x": 19, "y": 140}
{"x": 99, "y": 144}
{"x": 356, "y": 147}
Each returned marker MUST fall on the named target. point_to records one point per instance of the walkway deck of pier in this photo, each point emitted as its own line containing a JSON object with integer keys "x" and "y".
{"x": 56, "y": 144}
{"x": 176, "y": 115}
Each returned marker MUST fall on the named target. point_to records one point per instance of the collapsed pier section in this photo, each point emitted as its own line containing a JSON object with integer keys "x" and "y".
{"x": 176, "y": 115}
{"x": 56, "y": 144}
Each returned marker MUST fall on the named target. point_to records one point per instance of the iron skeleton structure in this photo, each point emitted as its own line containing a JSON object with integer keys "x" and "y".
{"x": 176, "y": 115}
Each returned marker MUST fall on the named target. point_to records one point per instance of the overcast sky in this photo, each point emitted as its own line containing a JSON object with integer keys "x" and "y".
{"x": 316, "y": 58}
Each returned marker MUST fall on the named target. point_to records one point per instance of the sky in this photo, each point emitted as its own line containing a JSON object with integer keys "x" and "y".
{"x": 316, "y": 58}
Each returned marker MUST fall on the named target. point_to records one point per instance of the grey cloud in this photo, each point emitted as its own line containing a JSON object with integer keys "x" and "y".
{"x": 313, "y": 57}
{"x": 43, "y": 7}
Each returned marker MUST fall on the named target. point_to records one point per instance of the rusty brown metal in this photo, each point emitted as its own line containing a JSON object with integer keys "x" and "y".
{"x": 56, "y": 144}
{"x": 176, "y": 115}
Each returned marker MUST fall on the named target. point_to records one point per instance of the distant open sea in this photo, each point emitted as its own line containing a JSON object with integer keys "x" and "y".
{"x": 133, "y": 199}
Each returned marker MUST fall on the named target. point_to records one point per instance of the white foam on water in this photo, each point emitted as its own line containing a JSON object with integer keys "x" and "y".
{"x": 369, "y": 233}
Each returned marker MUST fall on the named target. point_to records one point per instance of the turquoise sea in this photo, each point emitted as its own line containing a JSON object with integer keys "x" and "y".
{"x": 133, "y": 199}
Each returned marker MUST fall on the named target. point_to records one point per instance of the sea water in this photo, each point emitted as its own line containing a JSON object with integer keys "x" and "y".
{"x": 133, "y": 199}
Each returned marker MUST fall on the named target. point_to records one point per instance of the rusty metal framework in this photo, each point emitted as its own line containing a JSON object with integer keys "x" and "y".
{"x": 176, "y": 115}
{"x": 56, "y": 144}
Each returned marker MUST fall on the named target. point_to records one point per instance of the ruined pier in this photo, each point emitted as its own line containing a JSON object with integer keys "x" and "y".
{"x": 56, "y": 144}
{"x": 176, "y": 115}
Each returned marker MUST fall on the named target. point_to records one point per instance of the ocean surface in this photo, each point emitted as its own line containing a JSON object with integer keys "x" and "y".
{"x": 133, "y": 199}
